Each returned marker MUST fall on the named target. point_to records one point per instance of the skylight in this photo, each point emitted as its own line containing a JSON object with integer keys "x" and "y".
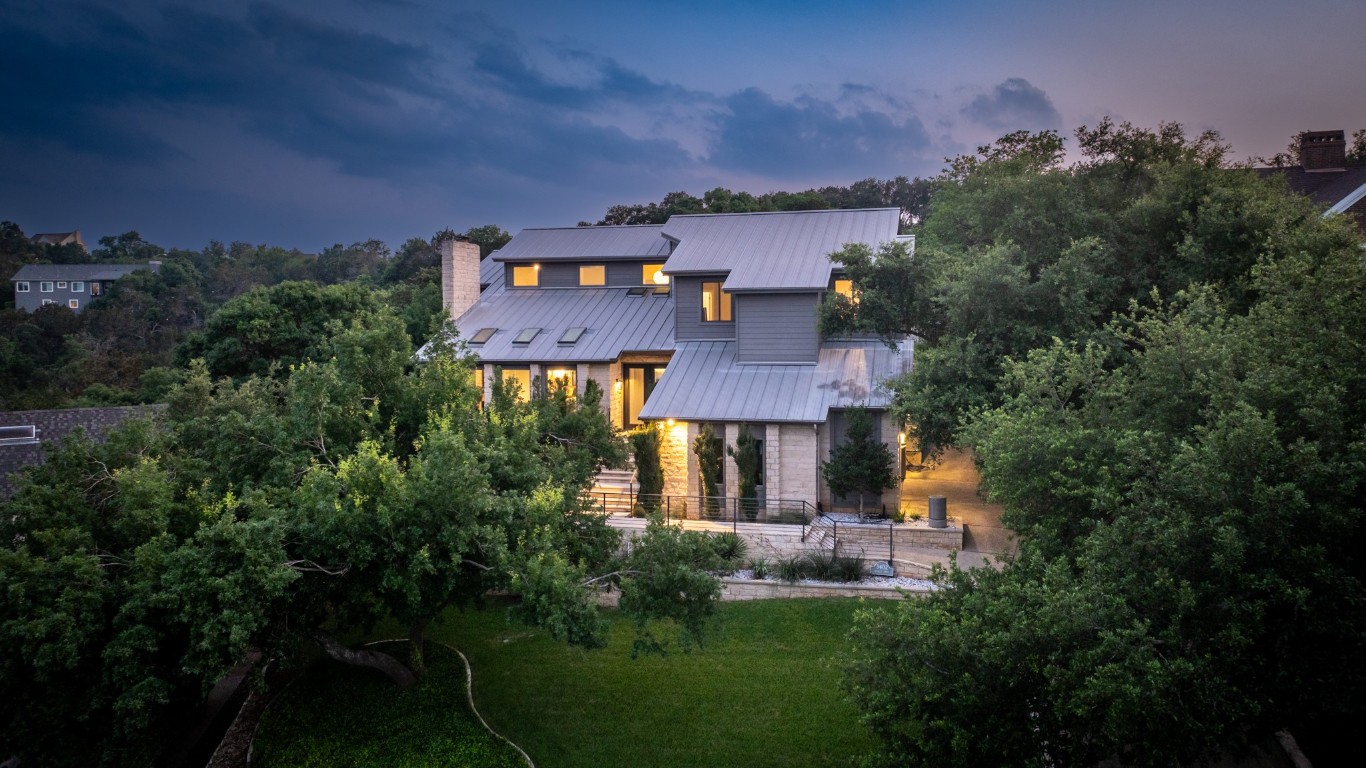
{"x": 482, "y": 335}
{"x": 571, "y": 336}
{"x": 638, "y": 291}
{"x": 526, "y": 335}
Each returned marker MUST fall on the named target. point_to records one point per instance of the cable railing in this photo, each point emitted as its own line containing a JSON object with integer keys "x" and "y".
{"x": 717, "y": 509}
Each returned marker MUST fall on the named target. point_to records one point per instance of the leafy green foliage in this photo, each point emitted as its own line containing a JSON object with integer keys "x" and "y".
{"x": 707, "y": 448}
{"x": 747, "y": 459}
{"x": 1186, "y": 481}
{"x": 861, "y": 464}
{"x": 649, "y": 470}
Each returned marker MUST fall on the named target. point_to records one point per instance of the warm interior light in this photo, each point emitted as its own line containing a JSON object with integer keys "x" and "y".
{"x": 901, "y": 438}
{"x": 661, "y": 278}
{"x": 670, "y": 422}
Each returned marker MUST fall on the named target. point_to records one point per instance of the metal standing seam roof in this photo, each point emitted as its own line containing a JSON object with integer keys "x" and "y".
{"x": 643, "y": 241}
{"x": 785, "y": 250}
{"x": 77, "y": 272}
{"x": 614, "y": 323}
{"x": 704, "y": 383}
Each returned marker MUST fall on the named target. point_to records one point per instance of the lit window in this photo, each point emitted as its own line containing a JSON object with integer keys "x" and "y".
{"x": 562, "y": 377}
{"x": 45, "y": 286}
{"x": 715, "y": 304}
{"x": 526, "y": 335}
{"x": 526, "y": 276}
{"x": 21, "y": 287}
{"x": 78, "y": 287}
{"x": 483, "y": 335}
{"x": 845, "y": 288}
{"x": 95, "y": 289}
{"x": 73, "y": 303}
{"x": 593, "y": 275}
{"x": 652, "y": 274}
{"x": 61, "y": 283}
{"x": 521, "y": 379}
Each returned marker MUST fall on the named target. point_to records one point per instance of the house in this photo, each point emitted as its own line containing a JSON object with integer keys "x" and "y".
{"x": 60, "y": 238}
{"x": 68, "y": 285}
{"x": 1324, "y": 176}
{"x": 705, "y": 319}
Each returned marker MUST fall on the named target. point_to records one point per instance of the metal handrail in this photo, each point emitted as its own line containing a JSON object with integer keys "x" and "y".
{"x": 715, "y": 508}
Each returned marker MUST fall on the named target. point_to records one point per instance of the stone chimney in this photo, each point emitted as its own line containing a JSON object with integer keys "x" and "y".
{"x": 1323, "y": 150}
{"x": 459, "y": 275}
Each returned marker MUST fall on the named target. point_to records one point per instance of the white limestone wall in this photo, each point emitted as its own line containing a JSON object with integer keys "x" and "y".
{"x": 798, "y": 448}
{"x": 675, "y": 457}
{"x": 459, "y": 276}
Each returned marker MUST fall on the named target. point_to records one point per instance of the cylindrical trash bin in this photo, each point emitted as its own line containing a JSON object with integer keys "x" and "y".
{"x": 939, "y": 512}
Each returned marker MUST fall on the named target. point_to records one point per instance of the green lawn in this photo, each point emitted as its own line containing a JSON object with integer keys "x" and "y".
{"x": 763, "y": 693}
{"x": 336, "y": 716}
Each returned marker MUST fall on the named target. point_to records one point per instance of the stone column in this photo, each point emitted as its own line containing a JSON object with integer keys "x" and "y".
{"x": 773, "y": 461}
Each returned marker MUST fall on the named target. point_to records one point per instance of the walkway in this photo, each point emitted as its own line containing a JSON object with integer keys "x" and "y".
{"x": 955, "y": 477}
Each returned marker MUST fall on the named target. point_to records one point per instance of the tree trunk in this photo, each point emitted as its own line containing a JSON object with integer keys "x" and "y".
{"x": 417, "y": 636}
{"x": 377, "y": 660}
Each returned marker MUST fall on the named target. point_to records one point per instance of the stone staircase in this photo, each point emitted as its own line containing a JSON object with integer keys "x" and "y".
{"x": 613, "y": 490}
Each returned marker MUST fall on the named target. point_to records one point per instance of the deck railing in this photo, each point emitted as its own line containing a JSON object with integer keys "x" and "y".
{"x": 722, "y": 509}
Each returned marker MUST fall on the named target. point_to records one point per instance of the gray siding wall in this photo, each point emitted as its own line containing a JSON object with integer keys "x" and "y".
{"x": 776, "y": 328}
{"x": 566, "y": 274}
{"x": 688, "y": 325}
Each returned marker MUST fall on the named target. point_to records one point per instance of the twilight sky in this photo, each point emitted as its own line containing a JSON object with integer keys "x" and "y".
{"x": 304, "y": 124}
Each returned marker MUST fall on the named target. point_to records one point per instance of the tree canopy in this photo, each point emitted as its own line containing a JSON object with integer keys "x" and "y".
{"x": 1156, "y": 360}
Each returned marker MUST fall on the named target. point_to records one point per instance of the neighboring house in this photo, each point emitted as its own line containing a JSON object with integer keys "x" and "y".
{"x": 22, "y": 433}
{"x": 67, "y": 285}
{"x": 60, "y": 238}
{"x": 705, "y": 319}
{"x": 1324, "y": 176}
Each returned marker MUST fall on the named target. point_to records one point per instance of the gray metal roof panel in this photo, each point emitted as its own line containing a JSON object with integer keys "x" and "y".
{"x": 580, "y": 243}
{"x": 81, "y": 272}
{"x": 784, "y": 250}
{"x": 704, "y": 383}
{"x": 615, "y": 323}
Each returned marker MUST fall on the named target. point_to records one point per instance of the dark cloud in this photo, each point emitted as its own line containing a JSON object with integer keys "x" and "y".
{"x": 813, "y": 137}
{"x": 1013, "y": 105}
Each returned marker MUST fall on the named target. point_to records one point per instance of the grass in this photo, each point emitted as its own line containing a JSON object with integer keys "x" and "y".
{"x": 763, "y": 693}
{"x": 336, "y": 716}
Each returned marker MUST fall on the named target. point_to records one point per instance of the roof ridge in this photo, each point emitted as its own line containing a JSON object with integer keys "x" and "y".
{"x": 767, "y": 213}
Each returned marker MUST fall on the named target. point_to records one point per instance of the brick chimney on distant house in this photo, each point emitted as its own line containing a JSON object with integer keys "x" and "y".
{"x": 459, "y": 275}
{"x": 1323, "y": 151}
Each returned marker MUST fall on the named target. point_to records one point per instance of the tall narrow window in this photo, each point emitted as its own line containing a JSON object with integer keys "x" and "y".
{"x": 640, "y": 382}
{"x": 715, "y": 304}
{"x": 521, "y": 379}
{"x": 592, "y": 274}
{"x": 95, "y": 289}
{"x": 526, "y": 276}
{"x": 561, "y": 377}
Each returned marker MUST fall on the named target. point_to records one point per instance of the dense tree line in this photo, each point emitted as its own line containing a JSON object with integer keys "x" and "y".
{"x": 1156, "y": 358}
{"x": 910, "y": 195}
{"x": 127, "y": 346}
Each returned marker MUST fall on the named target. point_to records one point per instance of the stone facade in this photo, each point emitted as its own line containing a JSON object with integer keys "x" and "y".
{"x": 675, "y": 457}
{"x": 799, "y": 462}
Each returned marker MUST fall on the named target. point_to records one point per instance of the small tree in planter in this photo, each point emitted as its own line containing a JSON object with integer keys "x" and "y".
{"x": 649, "y": 471}
{"x": 709, "y": 466}
{"x": 746, "y": 455}
{"x": 861, "y": 464}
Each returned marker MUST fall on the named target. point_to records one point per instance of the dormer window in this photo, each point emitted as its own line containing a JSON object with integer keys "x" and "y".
{"x": 526, "y": 275}
{"x": 653, "y": 275}
{"x": 715, "y": 304}
{"x": 592, "y": 275}
{"x": 845, "y": 288}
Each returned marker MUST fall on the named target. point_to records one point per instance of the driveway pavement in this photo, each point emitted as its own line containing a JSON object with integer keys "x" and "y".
{"x": 955, "y": 477}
